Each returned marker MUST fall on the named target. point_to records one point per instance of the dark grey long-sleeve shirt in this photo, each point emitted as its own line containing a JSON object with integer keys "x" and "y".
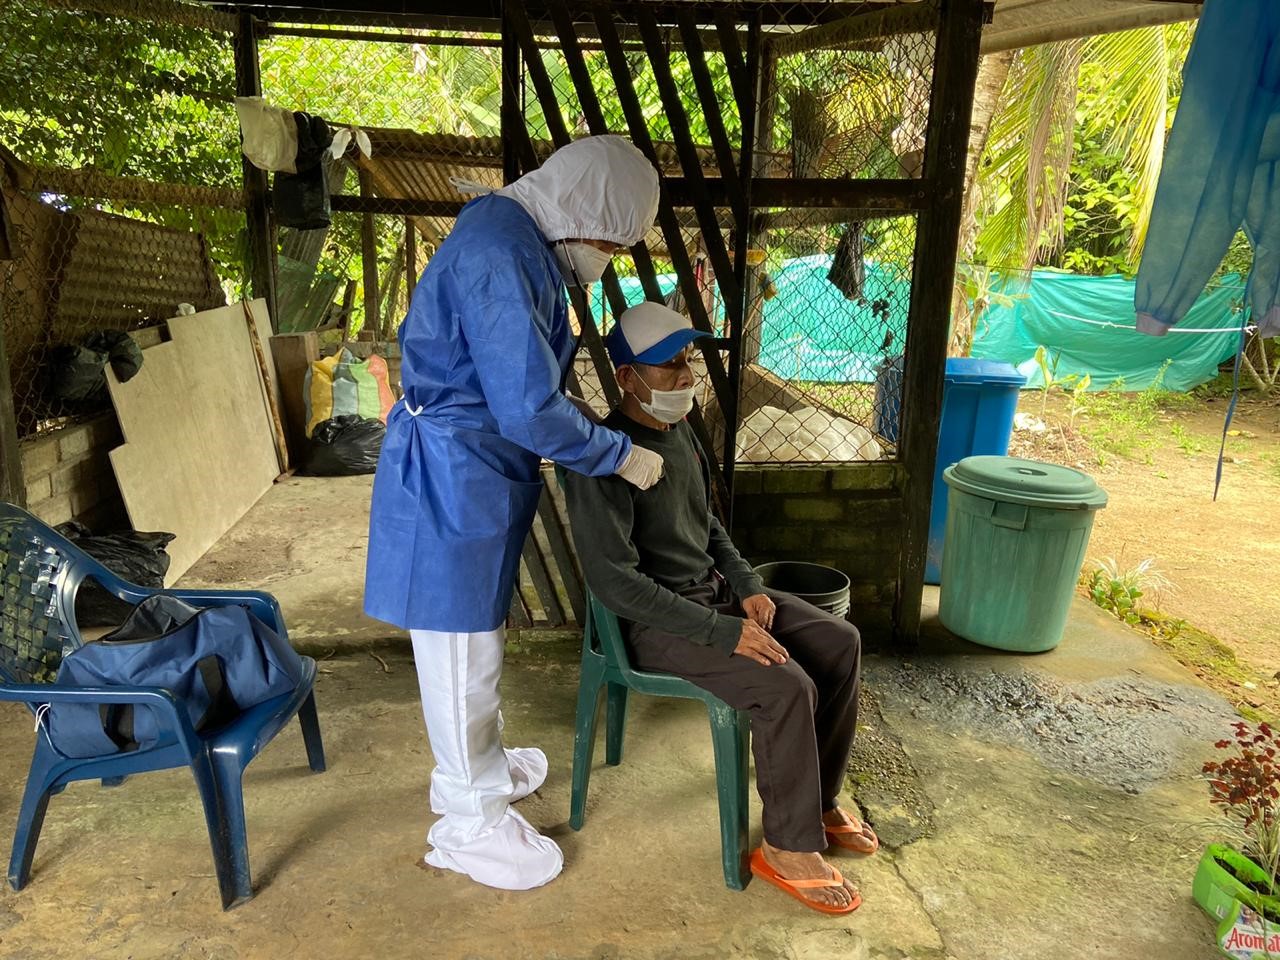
{"x": 639, "y": 547}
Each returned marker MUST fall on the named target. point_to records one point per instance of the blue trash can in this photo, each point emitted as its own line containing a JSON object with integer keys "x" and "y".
{"x": 888, "y": 398}
{"x": 979, "y": 400}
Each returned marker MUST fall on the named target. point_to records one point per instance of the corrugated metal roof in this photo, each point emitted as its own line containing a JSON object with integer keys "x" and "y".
{"x": 406, "y": 165}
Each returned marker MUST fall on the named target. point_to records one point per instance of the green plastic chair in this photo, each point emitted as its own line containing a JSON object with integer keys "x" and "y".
{"x": 605, "y": 663}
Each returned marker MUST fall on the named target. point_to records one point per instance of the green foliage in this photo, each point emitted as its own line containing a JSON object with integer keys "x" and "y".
{"x": 147, "y": 101}
{"x": 1117, "y": 589}
{"x": 1187, "y": 443}
{"x": 1125, "y": 423}
{"x": 1075, "y": 384}
{"x": 1074, "y": 155}
{"x": 1101, "y": 213}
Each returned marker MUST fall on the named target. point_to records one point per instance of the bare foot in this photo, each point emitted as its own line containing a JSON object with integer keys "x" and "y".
{"x": 854, "y": 834}
{"x": 809, "y": 866}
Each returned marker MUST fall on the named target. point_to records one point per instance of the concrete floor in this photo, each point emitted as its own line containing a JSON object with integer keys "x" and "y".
{"x": 1040, "y": 807}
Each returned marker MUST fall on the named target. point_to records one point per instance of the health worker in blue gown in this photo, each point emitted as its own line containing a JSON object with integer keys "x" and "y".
{"x": 485, "y": 349}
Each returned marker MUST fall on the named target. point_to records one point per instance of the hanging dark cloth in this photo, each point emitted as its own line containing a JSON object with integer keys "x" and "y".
{"x": 848, "y": 273}
{"x": 301, "y": 199}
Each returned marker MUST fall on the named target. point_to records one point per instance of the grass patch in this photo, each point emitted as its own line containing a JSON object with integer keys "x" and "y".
{"x": 1188, "y": 444}
{"x": 1213, "y": 662}
{"x": 1126, "y": 424}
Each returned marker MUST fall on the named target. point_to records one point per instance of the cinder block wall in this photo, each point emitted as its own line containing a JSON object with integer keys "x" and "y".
{"x": 68, "y": 475}
{"x": 847, "y": 517}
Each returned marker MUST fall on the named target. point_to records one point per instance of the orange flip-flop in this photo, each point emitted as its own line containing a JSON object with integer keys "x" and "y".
{"x": 837, "y": 836}
{"x": 760, "y": 868}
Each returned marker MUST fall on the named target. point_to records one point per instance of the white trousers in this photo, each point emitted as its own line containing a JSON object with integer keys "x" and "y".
{"x": 475, "y": 780}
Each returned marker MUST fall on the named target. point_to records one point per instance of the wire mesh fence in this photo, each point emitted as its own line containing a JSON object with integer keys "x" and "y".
{"x": 119, "y": 161}
{"x": 846, "y": 97}
{"x": 131, "y": 118}
{"x": 428, "y": 107}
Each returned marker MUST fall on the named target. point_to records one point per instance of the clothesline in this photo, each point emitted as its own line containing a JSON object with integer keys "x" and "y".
{"x": 1248, "y": 328}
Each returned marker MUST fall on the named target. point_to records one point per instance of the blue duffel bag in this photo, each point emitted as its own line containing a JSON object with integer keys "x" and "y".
{"x": 216, "y": 661}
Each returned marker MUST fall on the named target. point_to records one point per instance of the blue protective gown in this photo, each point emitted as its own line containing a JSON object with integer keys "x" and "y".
{"x": 485, "y": 350}
{"x": 1220, "y": 168}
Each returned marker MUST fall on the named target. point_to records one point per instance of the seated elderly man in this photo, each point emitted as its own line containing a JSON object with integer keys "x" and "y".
{"x": 694, "y": 608}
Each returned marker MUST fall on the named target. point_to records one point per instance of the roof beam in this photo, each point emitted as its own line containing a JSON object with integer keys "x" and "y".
{"x": 1148, "y": 14}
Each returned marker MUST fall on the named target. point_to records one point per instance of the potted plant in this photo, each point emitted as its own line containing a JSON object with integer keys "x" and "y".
{"x": 1245, "y": 785}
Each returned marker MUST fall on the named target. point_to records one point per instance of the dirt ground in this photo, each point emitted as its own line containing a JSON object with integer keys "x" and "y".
{"x": 1032, "y": 807}
{"x": 1157, "y": 463}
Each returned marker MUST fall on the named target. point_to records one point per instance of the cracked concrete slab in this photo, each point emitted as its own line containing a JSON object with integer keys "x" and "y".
{"x": 999, "y": 844}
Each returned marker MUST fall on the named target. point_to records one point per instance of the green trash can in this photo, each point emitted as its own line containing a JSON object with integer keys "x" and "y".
{"x": 1017, "y": 531}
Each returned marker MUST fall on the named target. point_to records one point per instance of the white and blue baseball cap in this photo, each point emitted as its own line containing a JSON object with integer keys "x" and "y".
{"x": 650, "y": 333}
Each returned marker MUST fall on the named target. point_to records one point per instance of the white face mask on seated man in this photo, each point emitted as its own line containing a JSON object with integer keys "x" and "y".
{"x": 668, "y": 406}
{"x": 658, "y": 340}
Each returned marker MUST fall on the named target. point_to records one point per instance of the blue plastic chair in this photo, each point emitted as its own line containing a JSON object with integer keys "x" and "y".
{"x": 40, "y": 574}
{"x": 605, "y": 663}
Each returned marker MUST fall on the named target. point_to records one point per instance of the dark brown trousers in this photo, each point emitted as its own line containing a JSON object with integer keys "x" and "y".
{"x": 803, "y": 712}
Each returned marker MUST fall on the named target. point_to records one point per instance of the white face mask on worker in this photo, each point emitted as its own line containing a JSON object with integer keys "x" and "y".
{"x": 667, "y": 406}
{"x": 581, "y": 261}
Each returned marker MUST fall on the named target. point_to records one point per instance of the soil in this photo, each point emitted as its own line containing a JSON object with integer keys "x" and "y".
{"x": 1257, "y": 886}
{"x": 1157, "y": 460}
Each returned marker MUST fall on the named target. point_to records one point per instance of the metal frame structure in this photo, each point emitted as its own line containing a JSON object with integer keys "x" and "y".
{"x": 728, "y": 202}
{"x": 751, "y": 35}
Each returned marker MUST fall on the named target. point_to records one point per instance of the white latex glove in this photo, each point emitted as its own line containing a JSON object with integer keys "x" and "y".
{"x": 643, "y": 468}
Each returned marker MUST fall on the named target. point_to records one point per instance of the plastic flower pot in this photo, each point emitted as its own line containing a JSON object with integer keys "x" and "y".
{"x": 1246, "y": 935}
{"x": 1222, "y": 880}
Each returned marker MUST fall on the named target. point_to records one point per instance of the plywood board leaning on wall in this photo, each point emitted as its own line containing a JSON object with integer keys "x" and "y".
{"x": 198, "y": 440}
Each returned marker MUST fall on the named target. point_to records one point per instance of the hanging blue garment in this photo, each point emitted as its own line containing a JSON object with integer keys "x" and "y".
{"x": 1220, "y": 169}
{"x": 485, "y": 350}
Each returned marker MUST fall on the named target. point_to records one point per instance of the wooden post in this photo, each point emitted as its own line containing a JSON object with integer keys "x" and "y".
{"x": 262, "y": 274}
{"x": 410, "y": 260}
{"x": 749, "y": 109}
{"x": 12, "y": 487}
{"x": 766, "y": 105}
{"x": 955, "y": 73}
{"x": 511, "y": 114}
{"x": 369, "y": 261}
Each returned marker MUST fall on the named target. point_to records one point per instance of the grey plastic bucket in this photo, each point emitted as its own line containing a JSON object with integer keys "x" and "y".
{"x": 824, "y": 587}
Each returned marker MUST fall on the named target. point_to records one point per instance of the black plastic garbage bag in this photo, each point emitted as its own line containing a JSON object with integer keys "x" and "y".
{"x": 132, "y": 555}
{"x": 301, "y": 200}
{"x": 345, "y": 446}
{"x": 848, "y": 271}
{"x": 77, "y": 371}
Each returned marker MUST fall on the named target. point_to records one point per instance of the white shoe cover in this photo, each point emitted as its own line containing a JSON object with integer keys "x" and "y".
{"x": 528, "y": 770}
{"x": 509, "y": 856}
{"x": 528, "y": 773}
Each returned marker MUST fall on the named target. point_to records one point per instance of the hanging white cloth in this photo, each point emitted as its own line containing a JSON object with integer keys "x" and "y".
{"x": 475, "y": 780}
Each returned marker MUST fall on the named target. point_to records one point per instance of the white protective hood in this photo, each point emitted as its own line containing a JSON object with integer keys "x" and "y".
{"x": 597, "y": 188}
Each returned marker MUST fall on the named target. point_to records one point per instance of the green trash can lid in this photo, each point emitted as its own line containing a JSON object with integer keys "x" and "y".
{"x": 1036, "y": 484}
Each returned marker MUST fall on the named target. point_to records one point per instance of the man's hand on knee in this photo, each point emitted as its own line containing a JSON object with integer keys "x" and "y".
{"x": 760, "y": 609}
{"x": 756, "y": 644}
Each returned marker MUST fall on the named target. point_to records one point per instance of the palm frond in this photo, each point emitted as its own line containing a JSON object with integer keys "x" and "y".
{"x": 1132, "y": 115}
{"x": 1024, "y": 181}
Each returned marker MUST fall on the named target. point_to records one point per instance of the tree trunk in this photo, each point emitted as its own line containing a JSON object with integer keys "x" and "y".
{"x": 992, "y": 71}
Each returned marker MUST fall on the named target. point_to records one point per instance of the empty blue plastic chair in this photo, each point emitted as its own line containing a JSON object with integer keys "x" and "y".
{"x": 605, "y": 663}
{"x": 40, "y": 574}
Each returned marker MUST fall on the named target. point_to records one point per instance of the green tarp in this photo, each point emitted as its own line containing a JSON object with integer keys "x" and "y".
{"x": 1063, "y": 311}
{"x": 811, "y": 332}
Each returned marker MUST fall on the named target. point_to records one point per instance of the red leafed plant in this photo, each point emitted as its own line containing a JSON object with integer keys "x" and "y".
{"x": 1246, "y": 785}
